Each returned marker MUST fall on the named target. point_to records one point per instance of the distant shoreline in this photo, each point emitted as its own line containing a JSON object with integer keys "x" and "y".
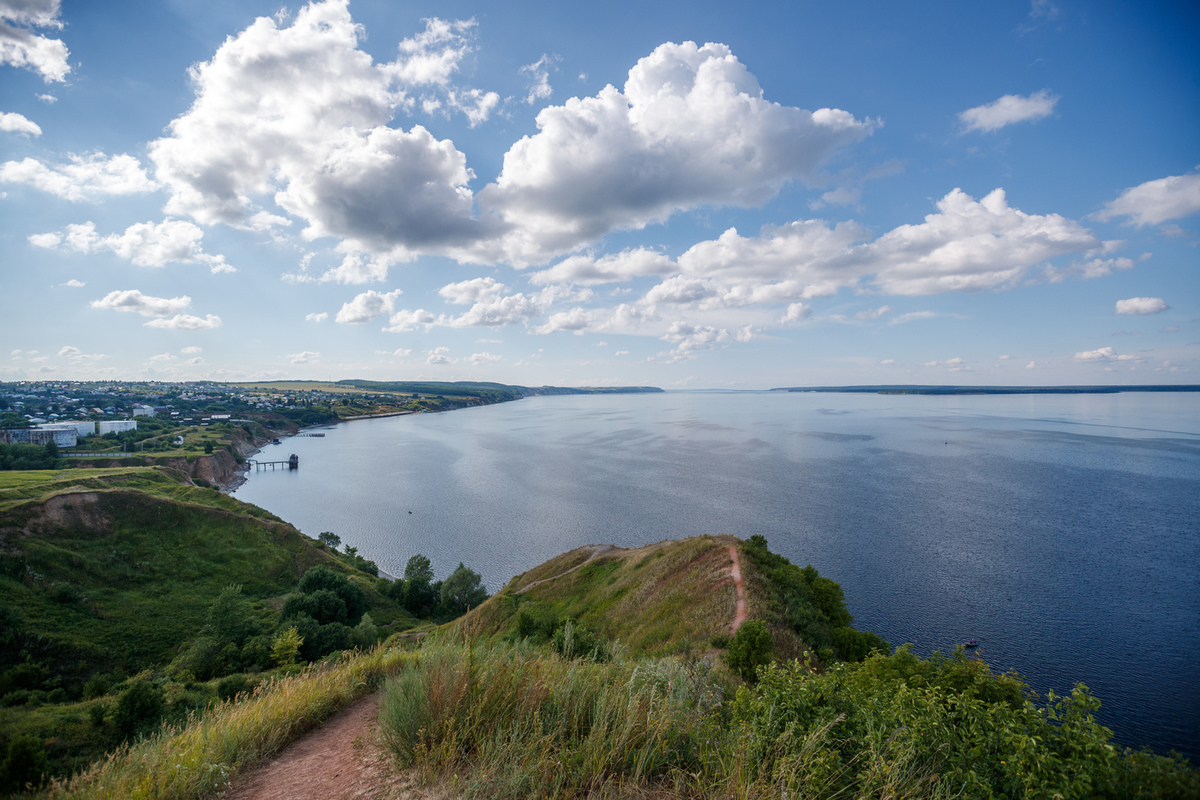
{"x": 959, "y": 390}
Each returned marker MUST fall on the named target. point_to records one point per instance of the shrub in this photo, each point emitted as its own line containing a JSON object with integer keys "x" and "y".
{"x": 286, "y": 648}
{"x": 231, "y": 686}
{"x": 139, "y": 708}
{"x": 749, "y": 649}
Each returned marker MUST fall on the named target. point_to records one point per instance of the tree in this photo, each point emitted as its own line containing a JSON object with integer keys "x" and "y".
{"x": 419, "y": 595}
{"x": 330, "y": 539}
{"x": 286, "y": 647}
{"x": 208, "y": 447}
{"x": 139, "y": 707}
{"x": 230, "y": 617}
{"x": 52, "y": 449}
{"x": 751, "y": 647}
{"x": 463, "y": 590}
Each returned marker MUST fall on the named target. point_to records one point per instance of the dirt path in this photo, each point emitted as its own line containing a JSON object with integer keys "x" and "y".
{"x": 597, "y": 551}
{"x": 341, "y": 759}
{"x": 735, "y": 571}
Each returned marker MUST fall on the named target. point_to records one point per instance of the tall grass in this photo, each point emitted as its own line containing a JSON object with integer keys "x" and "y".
{"x": 509, "y": 721}
{"x": 201, "y": 757}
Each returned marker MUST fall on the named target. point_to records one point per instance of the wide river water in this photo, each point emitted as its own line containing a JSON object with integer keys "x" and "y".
{"x": 1060, "y": 531}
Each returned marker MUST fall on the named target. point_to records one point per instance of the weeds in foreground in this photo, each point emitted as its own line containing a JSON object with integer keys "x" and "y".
{"x": 510, "y": 721}
{"x": 201, "y": 757}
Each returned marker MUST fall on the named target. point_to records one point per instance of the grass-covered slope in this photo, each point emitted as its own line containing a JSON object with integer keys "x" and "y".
{"x": 123, "y": 564}
{"x": 114, "y": 579}
{"x": 654, "y": 599}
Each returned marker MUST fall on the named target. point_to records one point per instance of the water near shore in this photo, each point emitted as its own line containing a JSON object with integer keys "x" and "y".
{"x": 1061, "y": 532}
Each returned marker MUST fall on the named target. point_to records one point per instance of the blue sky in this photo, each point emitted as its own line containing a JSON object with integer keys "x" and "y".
{"x": 688, "y": 195}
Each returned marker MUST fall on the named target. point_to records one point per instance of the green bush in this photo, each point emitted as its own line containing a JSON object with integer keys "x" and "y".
{"x": 749, "y": 649}
{"x": 139, "y": 708}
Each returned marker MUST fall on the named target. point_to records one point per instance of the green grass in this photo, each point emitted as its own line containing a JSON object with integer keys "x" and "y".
{"x": 655, "y": 599}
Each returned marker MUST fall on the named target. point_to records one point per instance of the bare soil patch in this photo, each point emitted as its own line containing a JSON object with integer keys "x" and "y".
{"x": 344, "y": 758}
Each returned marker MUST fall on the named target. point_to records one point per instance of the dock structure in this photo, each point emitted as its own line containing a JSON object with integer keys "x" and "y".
{"x": 293, "y": 462}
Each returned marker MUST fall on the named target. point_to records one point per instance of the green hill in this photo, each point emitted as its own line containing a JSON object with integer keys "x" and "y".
{"x": 106, "y": 574}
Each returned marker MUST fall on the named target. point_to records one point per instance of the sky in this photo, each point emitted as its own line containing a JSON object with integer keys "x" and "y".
{"x": 685, "y": 195}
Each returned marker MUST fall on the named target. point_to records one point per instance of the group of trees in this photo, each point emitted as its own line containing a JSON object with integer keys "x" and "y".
{"x": 28, "y": 456}
{"x": 441, "y": 600}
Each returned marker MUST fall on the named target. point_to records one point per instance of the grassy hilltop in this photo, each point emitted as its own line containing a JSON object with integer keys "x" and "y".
{"x": 605, "y": 672}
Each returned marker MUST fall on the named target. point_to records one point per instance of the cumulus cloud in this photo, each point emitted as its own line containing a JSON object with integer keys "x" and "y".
{"x": 299, "y": 114}
{"x": 367, "y": 306}
{"x": 319, "y": 316}
{"x": 146, "y": 244}
{"x": 691, "y": 127}
{"x": 191, "y": 350}
{"x": 950, "y": 365}
{"x": 1103, "y": 354}
{"x": 689, "y": 338}
{"x": 612, "y": 267}
{"x": 304, "y": 357}
{"x": 1141, "y": 305}
{"x": 185, "y": 322}
{"x": 135, "y": 302}
{"x": 479, "y": 359}
{"x": 1008, "y": 110}
{"x": 13, "y": 122}
{"x": 74, "y": 284}
{"x": 1156, "y": 201}
{"x": 20, "y": 46}
{"x": 86, "y": 177}
{"x": 438, "y": 356}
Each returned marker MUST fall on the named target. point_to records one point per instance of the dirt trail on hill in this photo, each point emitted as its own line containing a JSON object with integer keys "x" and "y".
{"x": 597, "y": 551}
{"x": 340, "y": 760}
{"x": 735, "y": 571}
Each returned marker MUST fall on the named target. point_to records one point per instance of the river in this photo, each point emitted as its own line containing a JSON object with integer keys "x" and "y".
{"x": 1060, "y": 531}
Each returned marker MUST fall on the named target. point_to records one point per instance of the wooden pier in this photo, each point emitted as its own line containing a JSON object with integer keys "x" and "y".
{"x": 293, "y": 462}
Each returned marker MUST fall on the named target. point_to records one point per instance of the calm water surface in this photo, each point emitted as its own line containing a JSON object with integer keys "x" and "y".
{"x": 1062, "y": 532}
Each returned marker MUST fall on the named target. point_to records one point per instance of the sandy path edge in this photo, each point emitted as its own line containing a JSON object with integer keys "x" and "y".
{"x": 735, "y": 571}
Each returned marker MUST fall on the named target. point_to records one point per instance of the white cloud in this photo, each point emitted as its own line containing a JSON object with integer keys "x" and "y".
{"x": 1009, "y": 109}
{"x": 319, "y": 316}
{"x": 950, "y": 365}
{"x": 576, "y": 320}
{"x": 1031, "y": 365}
{"x": 539, "y": 79}
{"x": 1103, "y": 354}
{"x": 689, "y": 338}
{"x": 48, "y": 99}
{"x": 191, "y": 350}
{"x": 912, "y": 316}
{"x": 74, "y": 284}
{"x": 796, "y": 312}
{"x": 438, "y": 356}
{"x": 1141, "y": 305}
{"x": 479, "y": 359}
{"x": 366, "y": 306}
{"x": 1156, "y": 201}
{"x": 402, "y": 352}
{"x": 146, "y": 244}
{"x": 872, "y": 313}
{"x": 185, "y": 322}
{"x": 161, "y": 357}
{"x": 299, "y": 115}
{"x": 135, "y": 302}
{"x": 690, "y": 128}
{"x": 21, "y": 47}
{"x": 405, "y": 320}
{"x": 86, "y": 177}
{"x": 13, "y": 122}
{"x": 304, "y": 357}
{"x": 612, "y": 267}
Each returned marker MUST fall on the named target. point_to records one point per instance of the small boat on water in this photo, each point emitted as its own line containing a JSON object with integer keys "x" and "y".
{"x": 972, "y": 643}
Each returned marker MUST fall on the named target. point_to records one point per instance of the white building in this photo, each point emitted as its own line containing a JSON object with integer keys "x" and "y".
{"x": 143, "y": 411}
{"x": 115, "y": 426}
{"x": 83, "y": 427}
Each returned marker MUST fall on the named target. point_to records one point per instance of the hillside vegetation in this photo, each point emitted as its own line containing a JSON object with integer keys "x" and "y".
{"x": 603, "y": 673}
{"x": 130, "y": 596}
